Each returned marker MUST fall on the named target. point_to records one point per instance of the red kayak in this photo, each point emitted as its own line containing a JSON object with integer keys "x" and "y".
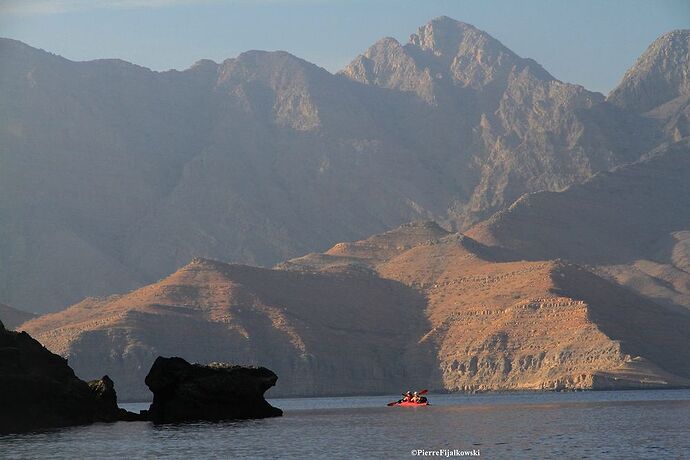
{"x": 411, "y": 404}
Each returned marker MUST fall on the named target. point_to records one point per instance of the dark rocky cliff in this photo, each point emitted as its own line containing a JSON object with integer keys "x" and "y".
{"x": 39, "y": 390}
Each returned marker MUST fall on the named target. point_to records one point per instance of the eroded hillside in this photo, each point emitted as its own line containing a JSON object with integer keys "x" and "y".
{"x": 416, "y": 306}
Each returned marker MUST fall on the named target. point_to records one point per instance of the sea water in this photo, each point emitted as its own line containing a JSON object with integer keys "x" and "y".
{"x": 622, "y": 424}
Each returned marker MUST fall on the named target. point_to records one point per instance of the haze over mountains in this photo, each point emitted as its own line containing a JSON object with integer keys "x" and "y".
{"x": 571, "y": 268}
{"x": 632, "y": 224}
{"x": 11, "y": 317}
{"x": 114, "y": 176}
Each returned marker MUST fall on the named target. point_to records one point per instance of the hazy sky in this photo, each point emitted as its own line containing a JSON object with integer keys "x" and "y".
{"x": 587, "y": 42}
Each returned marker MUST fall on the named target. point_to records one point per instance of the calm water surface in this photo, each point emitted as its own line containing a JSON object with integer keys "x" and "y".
{"x": 625, "y": 425}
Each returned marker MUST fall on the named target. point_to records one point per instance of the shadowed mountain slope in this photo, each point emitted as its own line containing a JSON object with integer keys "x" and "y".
{"x": 632, "y": 223}
{"x": 524, "y": 324}
{"x": 519, "y": 128}
{"x": 614, "y": 217}
{"x": 322, "y": 333}
{"x": 11, "y": 317}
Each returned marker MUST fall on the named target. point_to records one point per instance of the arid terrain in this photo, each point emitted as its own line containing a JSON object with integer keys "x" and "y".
{"x": 114, "y": 176}
{"x": 528, "y": 234}
{"x": 414, "y": 306}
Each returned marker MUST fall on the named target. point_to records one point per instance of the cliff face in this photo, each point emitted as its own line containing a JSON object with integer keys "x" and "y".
{"x": 415, "y": 306}
{"x": 114, "y": 176}
{"x": 498, "y": 323}
{"x": 522, "y": 129}
{"x": 39, "y": 390}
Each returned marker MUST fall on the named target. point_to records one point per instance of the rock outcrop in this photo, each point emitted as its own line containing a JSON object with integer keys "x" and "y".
{"x": 189, "y": 392}
{"x": 107, "y": 409}
{"x": 39, "y": 390}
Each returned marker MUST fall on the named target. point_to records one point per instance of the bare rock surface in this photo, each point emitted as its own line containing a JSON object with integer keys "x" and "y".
{"x": 659, "y": 75}
{"x": 39, "y": 390}
{"x": 323, "y": 332}
{"x": 631, "y": 224}
{"x": 114, "y": 176}
{"x": 415, "y": 306}
{"x": 580, "y": 280}
{"x": 218, "y": 391}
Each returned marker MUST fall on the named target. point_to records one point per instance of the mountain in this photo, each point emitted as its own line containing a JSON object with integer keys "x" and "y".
{"x": 515, "y": 126}
{"x": 659, "y": 75}
{"x": 322, "y": 333}
{"x": 658, "y": 84}
{"x": 498, "y": 323}
{"x": 415, "y": 306}
{"x": 571, "y": 269}
{"x": 112, "y": 176}
{"x": 631, "y": 223}
{"x": 442, "y": 53}
{"x": 11, "y": 317}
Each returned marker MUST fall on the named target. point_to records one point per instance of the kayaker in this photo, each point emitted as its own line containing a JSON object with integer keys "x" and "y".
{"x": 410, "y": 399}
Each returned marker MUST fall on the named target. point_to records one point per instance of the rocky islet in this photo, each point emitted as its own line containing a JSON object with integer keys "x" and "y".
{"x": 38, "y": 391}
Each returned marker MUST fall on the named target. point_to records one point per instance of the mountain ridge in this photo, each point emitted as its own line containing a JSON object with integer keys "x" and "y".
{"x": 630, "y": 224}
{"x": 114, "y": 175}
{"x": 413, "y": 306}
{"x": 11, "y": 317}
{"x": 657, "y": 76}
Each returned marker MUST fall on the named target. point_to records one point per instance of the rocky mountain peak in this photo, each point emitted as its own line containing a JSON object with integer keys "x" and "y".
{"x": 276, "y": 85}
{"x": 446, "y": 36}
{"x": 386, "y": 43}
{"x": 471, "y": 56}
{"x": 388, "y": 64}
{"x": 204, "y": 65}
{"x": 443, "y": 50}
{"x": 273, "y": 67}
{"x": 388, "y": 49}
{"x": 660, "y": 75}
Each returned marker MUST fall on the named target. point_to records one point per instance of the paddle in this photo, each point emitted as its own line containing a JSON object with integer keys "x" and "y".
{"x": 423, "y": 392}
